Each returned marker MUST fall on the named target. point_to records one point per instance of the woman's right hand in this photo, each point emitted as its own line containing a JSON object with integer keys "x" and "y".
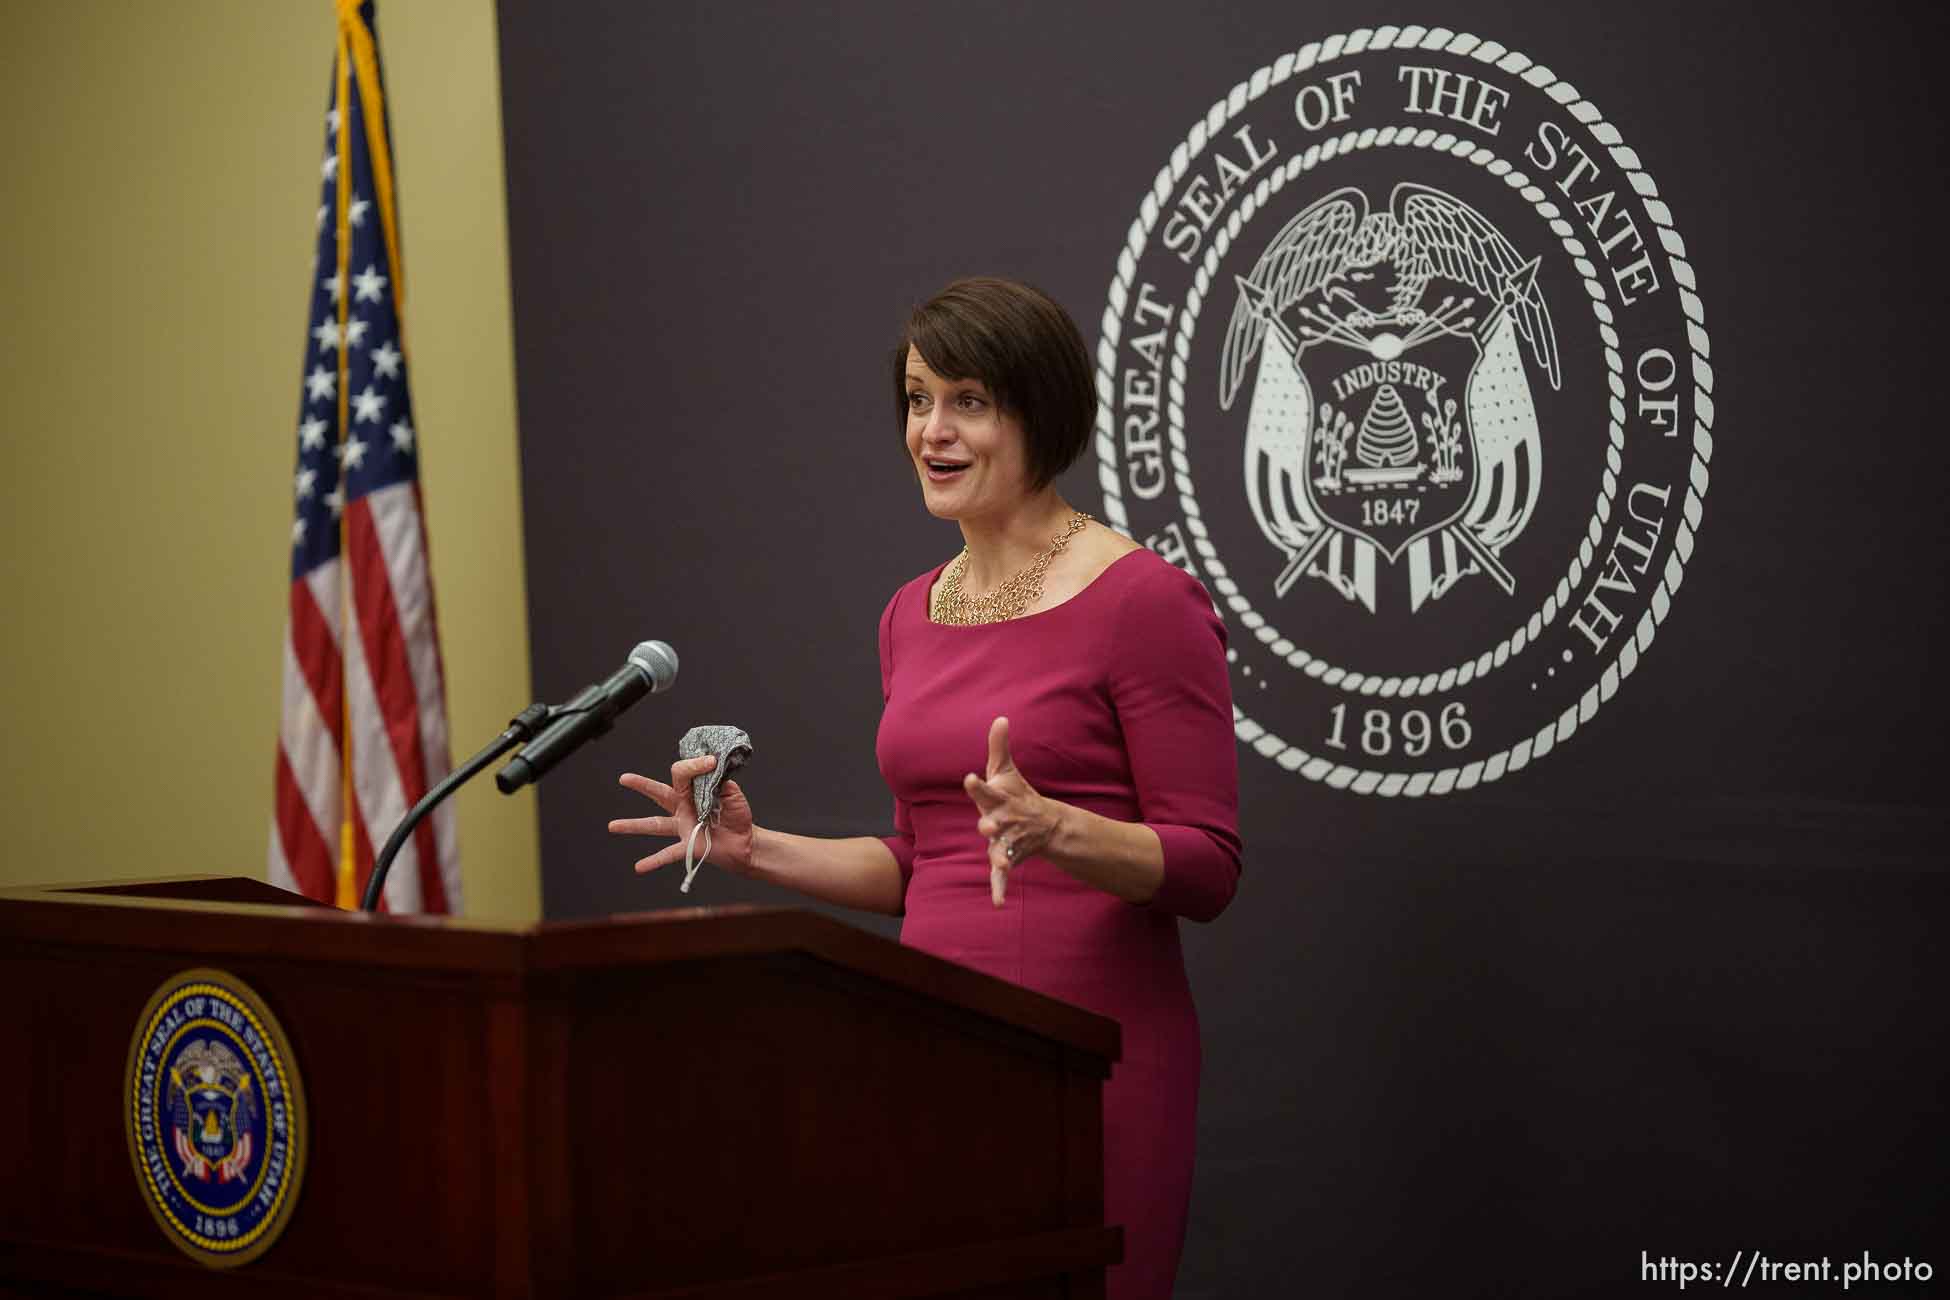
{"x": 730, "y": 837}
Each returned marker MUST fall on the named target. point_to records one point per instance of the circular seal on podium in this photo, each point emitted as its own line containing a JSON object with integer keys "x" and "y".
{"x": 215, "y": 1113}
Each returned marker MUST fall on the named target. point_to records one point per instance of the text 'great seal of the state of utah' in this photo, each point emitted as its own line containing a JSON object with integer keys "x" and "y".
{"x": 1404, "y": 359}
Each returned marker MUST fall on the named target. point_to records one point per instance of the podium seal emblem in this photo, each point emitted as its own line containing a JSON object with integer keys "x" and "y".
{"x": 1405, "y": 360}
{"x": 215, "y": 1113}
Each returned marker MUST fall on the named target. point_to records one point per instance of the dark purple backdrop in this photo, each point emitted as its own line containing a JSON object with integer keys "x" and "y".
{"x": 1672, "y": 989}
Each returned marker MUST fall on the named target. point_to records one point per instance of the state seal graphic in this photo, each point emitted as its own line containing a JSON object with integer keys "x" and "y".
{"x": 1404, "y": 360}
{"x": 215, "y": 1113}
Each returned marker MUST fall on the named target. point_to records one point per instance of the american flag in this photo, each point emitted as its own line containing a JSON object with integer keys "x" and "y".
{"x": 364, "y": 729}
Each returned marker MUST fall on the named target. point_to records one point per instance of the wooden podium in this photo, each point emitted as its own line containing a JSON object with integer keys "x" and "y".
{"x": 754, "y": 1103}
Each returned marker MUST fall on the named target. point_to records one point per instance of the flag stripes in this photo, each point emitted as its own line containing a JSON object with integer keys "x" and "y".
{"x": 363, "y": 732}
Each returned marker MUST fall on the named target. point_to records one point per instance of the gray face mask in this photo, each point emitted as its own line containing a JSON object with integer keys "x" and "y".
{"x": 732, "y": 747}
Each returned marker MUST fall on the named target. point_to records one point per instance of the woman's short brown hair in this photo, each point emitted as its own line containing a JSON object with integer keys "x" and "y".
{"x": 1017, "y": 341}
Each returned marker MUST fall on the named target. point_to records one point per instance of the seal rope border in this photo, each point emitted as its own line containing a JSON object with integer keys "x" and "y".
{"x": 228, "y": 1252}
{"x": 1530, "y": 629}
{"x": 216, "y": 989}
{"x": 1513, "y": 63}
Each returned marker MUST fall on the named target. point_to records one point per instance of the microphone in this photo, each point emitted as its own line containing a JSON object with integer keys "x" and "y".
{"x": 651, "y": 669}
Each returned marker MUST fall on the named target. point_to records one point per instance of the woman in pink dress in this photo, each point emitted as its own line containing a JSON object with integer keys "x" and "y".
{"x": 1057, "y": 736}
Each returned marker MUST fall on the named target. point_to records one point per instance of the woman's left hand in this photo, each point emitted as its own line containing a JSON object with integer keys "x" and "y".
{"x": 1017, "y": 822}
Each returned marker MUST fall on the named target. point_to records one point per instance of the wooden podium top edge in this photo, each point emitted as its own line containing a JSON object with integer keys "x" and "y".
{"x": 214, "y": 916}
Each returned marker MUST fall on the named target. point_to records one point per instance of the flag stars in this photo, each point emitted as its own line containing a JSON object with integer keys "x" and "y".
{"x": 367, "y": 284}
{"x": 340, "y": 456}
{"x": 369, "y": 405}
{"x": 385, "y": 360}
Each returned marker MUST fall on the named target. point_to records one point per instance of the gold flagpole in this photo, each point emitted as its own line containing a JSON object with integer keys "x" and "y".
{"x": 348, "y": 885}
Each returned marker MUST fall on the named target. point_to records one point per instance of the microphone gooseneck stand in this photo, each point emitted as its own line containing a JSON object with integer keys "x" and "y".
{"x": 549, "y": 734}
{"x": 521, "y": 728}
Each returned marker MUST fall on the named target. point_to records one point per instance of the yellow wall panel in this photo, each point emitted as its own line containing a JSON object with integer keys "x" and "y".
{"x": 157, "y": 191}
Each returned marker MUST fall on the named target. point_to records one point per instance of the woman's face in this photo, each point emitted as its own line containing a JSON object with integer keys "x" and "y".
{"x": 970, "y": 455}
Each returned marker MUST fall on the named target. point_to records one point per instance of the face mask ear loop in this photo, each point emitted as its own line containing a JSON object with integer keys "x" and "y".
{"x": 692, "y": 858}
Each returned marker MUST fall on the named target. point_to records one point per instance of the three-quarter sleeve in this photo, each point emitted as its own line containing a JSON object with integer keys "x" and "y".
{"x": 901, "y": 842}
{"x": 1173, "y": 697}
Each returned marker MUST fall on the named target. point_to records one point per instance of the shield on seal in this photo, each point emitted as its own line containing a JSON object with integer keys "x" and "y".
{"x": 211, "y": 1108}
{"x": 1393, "y": 460}
{"x": 211, "y": 1125}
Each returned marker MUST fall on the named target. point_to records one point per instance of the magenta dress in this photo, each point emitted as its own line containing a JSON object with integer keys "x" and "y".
{"x": 1118, "y": 701}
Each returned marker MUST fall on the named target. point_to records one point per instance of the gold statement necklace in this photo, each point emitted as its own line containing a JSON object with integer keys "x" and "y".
{"x": 1017, "y": 593}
